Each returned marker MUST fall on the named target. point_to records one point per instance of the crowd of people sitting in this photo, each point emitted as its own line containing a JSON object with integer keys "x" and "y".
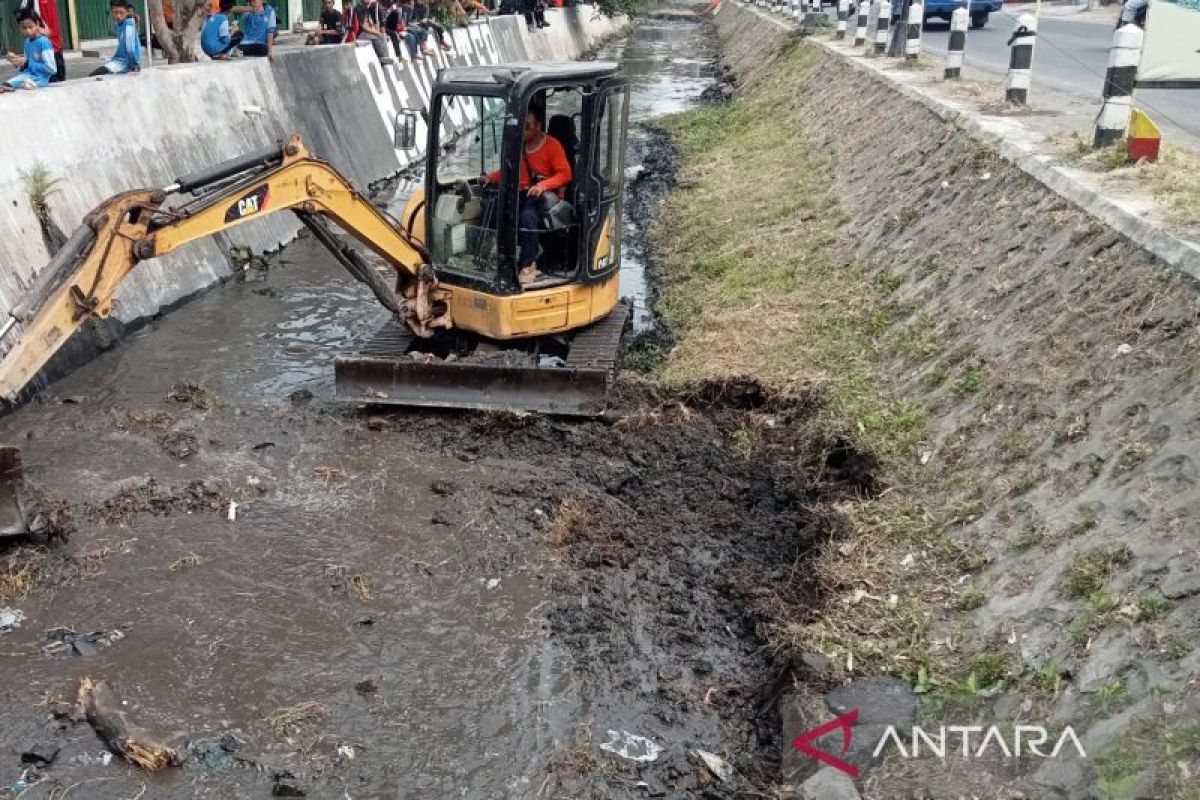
{"x": 409, "y": 25}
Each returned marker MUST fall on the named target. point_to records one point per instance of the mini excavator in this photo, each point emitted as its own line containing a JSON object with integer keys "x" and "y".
{"x": 465, "y": 332}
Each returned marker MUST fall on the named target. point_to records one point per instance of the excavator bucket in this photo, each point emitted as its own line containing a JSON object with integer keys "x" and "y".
{"x": 391, "y": 368}
{"x": 13, "y": 521}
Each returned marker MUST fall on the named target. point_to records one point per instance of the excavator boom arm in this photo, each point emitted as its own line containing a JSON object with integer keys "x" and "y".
{"x": 81, "y": 279}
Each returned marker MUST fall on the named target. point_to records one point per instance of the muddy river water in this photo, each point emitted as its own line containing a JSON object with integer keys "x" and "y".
{"x": 360, "y": 601}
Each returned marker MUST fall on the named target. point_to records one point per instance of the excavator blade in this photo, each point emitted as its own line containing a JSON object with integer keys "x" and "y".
{"x": 390, "y": 369}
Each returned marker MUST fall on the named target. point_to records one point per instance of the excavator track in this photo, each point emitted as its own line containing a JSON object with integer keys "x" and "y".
{"x": 387, "y": 369}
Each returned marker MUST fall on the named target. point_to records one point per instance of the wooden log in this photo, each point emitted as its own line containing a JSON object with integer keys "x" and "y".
{"x": 103, "y": 708}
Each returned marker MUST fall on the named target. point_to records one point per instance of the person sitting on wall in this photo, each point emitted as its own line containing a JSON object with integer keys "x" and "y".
{"x": 535, "y": 14}
{"x": 46, "y": 11}
{"x": 350, "y": 21}
{"x": 422, "y": 18}
{"x": 397, "y": 31}
{"x": 216, "y": 38}
{"x": 542, "y": 156}
{"x": 258, "y": 29}
{"x": 418, "y": 30}
{"x": 37, "y": 66}
{"x": 330, "y": 30}
{"x": 128, "y": 57}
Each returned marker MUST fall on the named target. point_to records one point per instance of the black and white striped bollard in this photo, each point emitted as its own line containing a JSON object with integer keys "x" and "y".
{"x": 881, "y": 27}
{"x": 959, "y": 21}
{"x": 843, "y": 11}
{"x": 1020, "y": 60}
{"x": 860, "y": 24}
{"x": 912, "y": 39}
{"x": 1119, "y": 80}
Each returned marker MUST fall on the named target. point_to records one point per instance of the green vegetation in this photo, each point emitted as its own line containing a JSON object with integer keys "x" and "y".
{"x": 732, "y": 264}
{"x": 1091, "y": 570}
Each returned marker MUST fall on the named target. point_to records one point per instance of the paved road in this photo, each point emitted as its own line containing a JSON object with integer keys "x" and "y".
{"x": 1071, "y": 56}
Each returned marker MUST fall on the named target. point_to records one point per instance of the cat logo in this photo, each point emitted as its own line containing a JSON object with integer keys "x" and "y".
{"x": 248, "y": 205}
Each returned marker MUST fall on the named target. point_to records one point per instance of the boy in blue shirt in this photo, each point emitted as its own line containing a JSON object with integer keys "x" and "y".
{"x": 128, "y": 57}
{"x": 37, "y": 66}
{"x": 258, "y": 29}
{"x": 216, "y": 40}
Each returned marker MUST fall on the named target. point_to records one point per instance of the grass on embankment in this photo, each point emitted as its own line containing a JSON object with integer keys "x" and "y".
{"x": 757, "y": 283}
{"x": 754, "y": 283}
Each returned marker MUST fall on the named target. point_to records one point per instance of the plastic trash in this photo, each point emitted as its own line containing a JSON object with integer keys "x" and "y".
{"x": 10, "y": 618}
{"x": 716, "y": 765}
{"x": 551, "y": 362}
{"x": 631, "y": 746}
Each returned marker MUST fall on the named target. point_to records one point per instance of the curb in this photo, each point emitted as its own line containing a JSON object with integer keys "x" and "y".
{"x": 1178, "y": 253}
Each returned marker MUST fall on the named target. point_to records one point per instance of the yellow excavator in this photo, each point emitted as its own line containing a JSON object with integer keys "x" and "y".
{"x": 467, "y": 331}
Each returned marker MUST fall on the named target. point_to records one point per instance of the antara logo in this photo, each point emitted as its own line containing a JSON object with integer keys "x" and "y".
{"x": 964, "y": 741}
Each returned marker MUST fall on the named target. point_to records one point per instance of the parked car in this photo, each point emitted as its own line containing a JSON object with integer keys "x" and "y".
{"x": 980, "y": 9}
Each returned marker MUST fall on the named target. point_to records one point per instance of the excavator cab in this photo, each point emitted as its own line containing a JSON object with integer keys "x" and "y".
{"x": 481, "y": 221}
{"x": 546, "y": 344}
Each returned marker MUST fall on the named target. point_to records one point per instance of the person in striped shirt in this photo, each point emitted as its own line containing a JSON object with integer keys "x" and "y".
{"x": 37, "y": 66}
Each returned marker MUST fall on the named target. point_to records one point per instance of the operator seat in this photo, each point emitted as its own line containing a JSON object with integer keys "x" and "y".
{"x": 559, "y": 247}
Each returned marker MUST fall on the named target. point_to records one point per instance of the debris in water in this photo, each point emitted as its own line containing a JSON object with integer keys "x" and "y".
{"x": 40, "y": 755}
{"x": 197, "y": 396}
{"x": 716, "y": 765}
{"x": 300, "y": 396}
{"x": 631, "y": 746}
{"x": 10, "y": 618}
{"x": 216, "y": 754}
{"x": 232, "y": 515}
{"x": 346, "y": 751}
{"x": 284, "y": 785}
{"x": 366, "y": 687}
{"x": 263, "y": 445}
{"x": 180, "y": 444}
{"x": 183, "y": 562}
{"x": 1123, "y": 349}
{"x": 492, "y": 583}
{"x": 106, "y": 713}
{"x": 82, "y": 644}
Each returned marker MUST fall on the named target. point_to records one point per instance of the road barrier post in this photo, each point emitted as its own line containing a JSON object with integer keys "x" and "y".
{"x": 1020, "y": 60}
{"x": 959, "y": 21}
{"x": 881, "y": 29}
{"x": 860, "y": 24}
{"x": 843, "y": 11}
{"x": 872, "y": 22}
{"x": 1119, "y": 80}
{"x": 912, "y": 44}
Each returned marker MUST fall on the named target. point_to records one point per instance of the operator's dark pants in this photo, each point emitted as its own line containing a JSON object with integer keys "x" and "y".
{"x": 529, "y": 225}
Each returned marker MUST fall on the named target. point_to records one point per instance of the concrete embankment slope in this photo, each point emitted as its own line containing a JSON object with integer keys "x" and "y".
{"x": 96, "y": 138}
{"x": 1031, "y": 373}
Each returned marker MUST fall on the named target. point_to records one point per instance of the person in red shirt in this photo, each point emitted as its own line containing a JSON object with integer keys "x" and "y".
{"x": 544, "y": 168}
{"x": 51, "y": 28}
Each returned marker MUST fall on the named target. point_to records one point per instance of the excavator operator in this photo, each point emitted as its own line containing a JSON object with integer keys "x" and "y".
{"x": 544, "y": 168}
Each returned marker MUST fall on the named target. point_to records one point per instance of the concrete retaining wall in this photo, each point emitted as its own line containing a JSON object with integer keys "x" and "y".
{"x": 104, "y": 136}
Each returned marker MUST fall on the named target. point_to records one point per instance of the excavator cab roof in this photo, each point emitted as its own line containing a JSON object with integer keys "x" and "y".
{"x": 521, "y": 74}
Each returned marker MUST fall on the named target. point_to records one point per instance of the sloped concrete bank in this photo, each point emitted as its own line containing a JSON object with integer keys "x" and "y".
{"x": 96, "y": 138}
{"x": 1048, "y": 362}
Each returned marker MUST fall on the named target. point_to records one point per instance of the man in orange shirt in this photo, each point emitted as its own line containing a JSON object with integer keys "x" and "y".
{"x": 544, "y": 168}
